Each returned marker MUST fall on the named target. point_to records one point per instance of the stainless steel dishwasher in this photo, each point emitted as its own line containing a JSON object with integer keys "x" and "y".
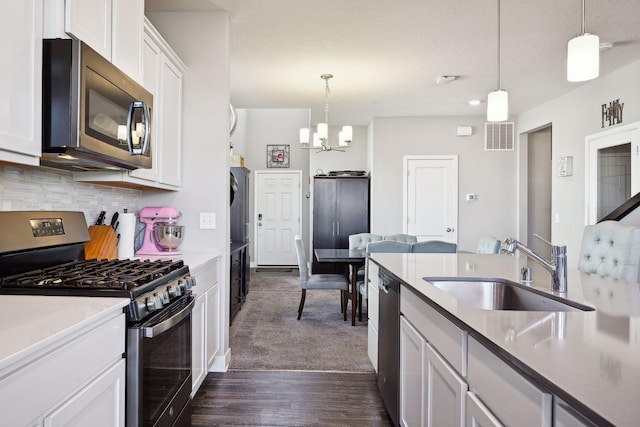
{"x": 389, "y": 342}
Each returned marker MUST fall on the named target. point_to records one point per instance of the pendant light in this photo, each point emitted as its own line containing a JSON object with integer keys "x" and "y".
{"x": 583, "y": 56}
{"x": 498, "y": 100}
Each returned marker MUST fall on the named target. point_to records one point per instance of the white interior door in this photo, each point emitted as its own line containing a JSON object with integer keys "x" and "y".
{"x": 278, "y": 216}
{"x": 431, "y": 197}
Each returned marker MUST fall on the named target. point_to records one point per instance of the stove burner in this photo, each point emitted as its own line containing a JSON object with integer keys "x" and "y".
{"x": 125, "y": 275}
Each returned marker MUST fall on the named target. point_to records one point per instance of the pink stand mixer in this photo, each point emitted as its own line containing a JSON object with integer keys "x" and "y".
{"x": 162, "y": 235}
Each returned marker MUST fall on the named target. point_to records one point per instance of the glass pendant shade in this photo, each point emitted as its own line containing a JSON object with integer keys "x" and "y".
{"x": 323, "y": 130}
{"x": 498, "y": 106}
{"x": 304, "y": 135}
{"x": 347, "y": 132}
{"x": 317, "y": 142}
{"x": 583, "y": 58}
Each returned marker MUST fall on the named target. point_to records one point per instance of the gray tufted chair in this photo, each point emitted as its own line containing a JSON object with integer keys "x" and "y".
{"x": 404, "y": 238}
{"x": 318, "y": 281}
{"x": 611, "y": 249}
{"x": 488, "y": 245}
{"x": 434, "y": 246}
{"x": 379, "y": 246}
{"x": 359, "y": 241}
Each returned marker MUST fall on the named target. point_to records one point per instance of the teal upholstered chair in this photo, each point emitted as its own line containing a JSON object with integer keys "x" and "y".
{"x": 488, "y": 245}
{"x": 379, "y": 246}
{"x": 434, "y": 246}
{"x": 318, "y": 281}
{"x": 405, "y": 238}
{"x": 611, "y": 249}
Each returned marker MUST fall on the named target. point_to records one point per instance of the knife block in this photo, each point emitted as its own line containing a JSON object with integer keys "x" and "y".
{"x": 103, "y": 243}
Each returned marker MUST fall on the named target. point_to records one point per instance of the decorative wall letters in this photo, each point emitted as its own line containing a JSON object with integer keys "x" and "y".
{"x": 612, "y": 113}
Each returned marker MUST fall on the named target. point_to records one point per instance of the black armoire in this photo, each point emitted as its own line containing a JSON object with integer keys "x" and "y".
{"x": 340, "y": 208}
{"x": 239, "y": 246}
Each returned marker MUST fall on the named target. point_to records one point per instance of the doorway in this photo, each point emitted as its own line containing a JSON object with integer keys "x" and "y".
{"x": 277, "y": 217}
{"x": 539, "y": 174}
{"x": 430, "y": 197}
{"x": 612, "y": 170}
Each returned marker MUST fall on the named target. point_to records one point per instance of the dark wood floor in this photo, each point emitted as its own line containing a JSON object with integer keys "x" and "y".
{"x": 289, "y": 398}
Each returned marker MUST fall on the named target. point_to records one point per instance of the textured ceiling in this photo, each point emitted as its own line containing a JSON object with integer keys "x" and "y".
{"x": 385, "y": 55}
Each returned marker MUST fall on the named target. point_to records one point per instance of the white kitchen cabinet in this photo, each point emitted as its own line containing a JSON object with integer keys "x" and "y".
{"x": 478, "y": 415}
{"x": 99, "y": 403}
{"x": 372, "y": 312}
{"x": 80, "y": 377}
{"x": 113, "y": 28}
{"x": 205, "y": 321}
{"x": 21, "y": 85}
{"x": 509, "y": 396}
{"x": 432, "y": 392}
{"x": 163, "y": 72}
{"x": 567, "y": 416}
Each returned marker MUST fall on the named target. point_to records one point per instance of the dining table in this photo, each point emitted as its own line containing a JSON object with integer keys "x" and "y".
{"x": 347, "y": 257}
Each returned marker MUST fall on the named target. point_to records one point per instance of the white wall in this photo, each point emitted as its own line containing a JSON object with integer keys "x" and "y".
{"x": 490, "y": 175}
{"x": 574, "y": 116}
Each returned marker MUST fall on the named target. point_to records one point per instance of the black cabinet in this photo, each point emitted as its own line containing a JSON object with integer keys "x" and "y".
{"x": 340, "y": 208}
{"x": 239, "y": 210}
{"x": 238, "y": 278}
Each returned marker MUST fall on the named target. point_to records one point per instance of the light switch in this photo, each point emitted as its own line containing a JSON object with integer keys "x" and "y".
{"x": 556, "y": 218}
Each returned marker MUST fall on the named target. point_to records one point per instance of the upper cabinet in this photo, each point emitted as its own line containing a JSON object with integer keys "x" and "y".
{"x": 162, "y": 76}
{"x": 21, "y": 87}
{"x": 113, "y": 28}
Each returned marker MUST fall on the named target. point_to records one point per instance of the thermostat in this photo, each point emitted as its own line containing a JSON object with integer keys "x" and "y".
{"x": 565, "y": 166}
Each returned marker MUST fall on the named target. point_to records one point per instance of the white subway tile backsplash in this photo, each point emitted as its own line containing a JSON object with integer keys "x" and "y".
{"x": 26, "y": 188}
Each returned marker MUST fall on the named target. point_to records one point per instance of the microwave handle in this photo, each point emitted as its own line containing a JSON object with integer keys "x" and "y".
{"x": 145, "y": 142}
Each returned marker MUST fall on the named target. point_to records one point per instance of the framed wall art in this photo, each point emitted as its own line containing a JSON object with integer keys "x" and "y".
{"x": 277, "y": 156}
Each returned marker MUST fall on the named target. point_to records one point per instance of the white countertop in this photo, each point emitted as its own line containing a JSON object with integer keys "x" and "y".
{"x": 590, "y": 357}
{"x": 30, "y": 323}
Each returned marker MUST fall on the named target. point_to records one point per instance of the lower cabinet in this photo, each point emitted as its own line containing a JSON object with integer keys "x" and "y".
{"x": 238, "y": 278}
{"x": 432, "y": 393}
{"x": 372, "y": 312}
{"x": 205, "y": 323}
{"x": 566, "y": 416}
{"x": 478, "y": 414}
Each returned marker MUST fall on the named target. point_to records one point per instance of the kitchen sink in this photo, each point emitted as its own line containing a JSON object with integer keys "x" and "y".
{"x": 503, "y": 295}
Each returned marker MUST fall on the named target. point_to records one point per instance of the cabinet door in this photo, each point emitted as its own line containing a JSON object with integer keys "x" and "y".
{"x": 352, "y": 209}
{"x": 324, "y": 211}
{"x": 478, "y": 415}
{"x": 235, "y": 283}
{"x": 198, "y": 343}
{"x": 21, "y": 85}
{"x": 213, "y": 324}
{"x": 412, "y": 376}
{"x": 446, "y": 391}
{"x": 566, "y": 416}
{"x": 170, "y": 125}
{"x": 127, "y": 35}
{"x": 90, "y": 21}
{"x": 101, "y": 403}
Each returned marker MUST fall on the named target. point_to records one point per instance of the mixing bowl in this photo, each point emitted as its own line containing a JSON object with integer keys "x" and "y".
{"x": 168, "y": 236}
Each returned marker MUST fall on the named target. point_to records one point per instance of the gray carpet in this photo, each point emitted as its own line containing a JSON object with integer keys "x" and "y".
{"x": 265, "y": 334}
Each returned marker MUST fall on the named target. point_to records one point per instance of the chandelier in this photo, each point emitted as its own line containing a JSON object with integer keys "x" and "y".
{"x": 320, "y": 138}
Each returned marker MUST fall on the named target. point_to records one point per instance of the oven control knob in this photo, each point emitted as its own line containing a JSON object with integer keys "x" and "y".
{"x": 164, "y": 297}
{"x": 174, "y": 291}
{"x": 154, "y": 302}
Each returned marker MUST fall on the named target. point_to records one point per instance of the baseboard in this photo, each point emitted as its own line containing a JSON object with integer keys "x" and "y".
{"x": 221, "y": 363}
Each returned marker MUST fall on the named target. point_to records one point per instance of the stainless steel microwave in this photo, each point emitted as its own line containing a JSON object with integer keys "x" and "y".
{"x": 94, "y": 116}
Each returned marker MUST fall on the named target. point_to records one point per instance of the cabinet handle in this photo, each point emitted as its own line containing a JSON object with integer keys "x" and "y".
{"x": 333, "y": 228}
{"x": 338, "y": 228}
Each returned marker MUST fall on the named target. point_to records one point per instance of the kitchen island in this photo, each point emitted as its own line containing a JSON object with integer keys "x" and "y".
{"x": 588, "y": 359}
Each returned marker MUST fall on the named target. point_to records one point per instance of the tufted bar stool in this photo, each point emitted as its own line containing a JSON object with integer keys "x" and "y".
{"x": 404, "y": 238}
{"x": 611, "y": 249}
{"x": 360, "y": 241}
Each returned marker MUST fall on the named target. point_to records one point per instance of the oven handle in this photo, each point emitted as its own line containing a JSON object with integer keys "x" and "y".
{"x": 153, "y": 331}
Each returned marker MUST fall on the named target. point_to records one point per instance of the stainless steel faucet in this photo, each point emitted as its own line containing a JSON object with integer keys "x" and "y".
{"x": 557, "y": 266}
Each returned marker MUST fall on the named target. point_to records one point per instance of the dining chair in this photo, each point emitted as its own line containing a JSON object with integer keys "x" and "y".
{"x": 434, "y": 246}
{"x": 400, "y": 237}
{"x": 611, "y": 249}
{"x": 359, "y": 241}
{"x": 488, "y": 245}
{"x": 390, "y": 246}
{"x": 318, "y": 281}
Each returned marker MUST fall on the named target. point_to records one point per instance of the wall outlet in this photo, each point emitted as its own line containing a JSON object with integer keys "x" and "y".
{"x": 208, "y": 221}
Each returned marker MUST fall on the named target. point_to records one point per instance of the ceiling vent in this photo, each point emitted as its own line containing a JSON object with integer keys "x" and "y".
{"x": 498, "y": 136}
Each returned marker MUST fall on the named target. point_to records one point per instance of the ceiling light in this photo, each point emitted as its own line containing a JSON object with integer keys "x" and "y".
{"x": 474, "y": 102}
{"x": 583, "y": 56}
{"x": 321, "y": 136}
{"x": 498, "y": 100}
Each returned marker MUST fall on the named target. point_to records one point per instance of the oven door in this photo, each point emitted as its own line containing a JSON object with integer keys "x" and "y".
{"x": 159, "y": 367}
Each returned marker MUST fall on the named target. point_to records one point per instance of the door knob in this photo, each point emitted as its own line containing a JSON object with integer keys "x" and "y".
{"x": 449, "y": 230}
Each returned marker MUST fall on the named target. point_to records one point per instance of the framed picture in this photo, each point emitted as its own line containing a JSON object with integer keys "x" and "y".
{"x": 277, "y": 156}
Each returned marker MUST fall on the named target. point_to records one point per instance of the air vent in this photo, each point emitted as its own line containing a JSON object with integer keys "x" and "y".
{"x": 498, "y": 136}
